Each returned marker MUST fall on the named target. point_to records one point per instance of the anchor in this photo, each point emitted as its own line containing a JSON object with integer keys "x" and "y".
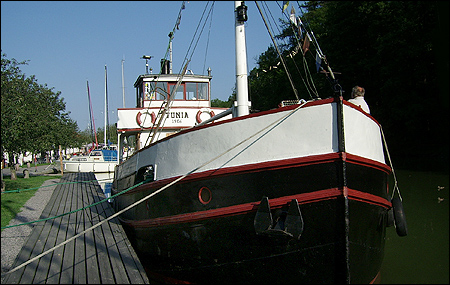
{"x": 289, "y": 224}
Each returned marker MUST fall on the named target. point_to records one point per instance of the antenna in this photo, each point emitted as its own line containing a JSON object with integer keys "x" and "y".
{"x": 146, "y": 57}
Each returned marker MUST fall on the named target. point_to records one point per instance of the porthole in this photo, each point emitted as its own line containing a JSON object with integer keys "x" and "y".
{"x": 204, "y": 195}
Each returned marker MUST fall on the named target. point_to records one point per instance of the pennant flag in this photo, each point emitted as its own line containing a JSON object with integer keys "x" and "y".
{"x": 292, "y": 16}
{"x": 306, "y": 43}
{"x": 299, "y": 21}
{"x": 318, "y": 61}
{"x": 285, "y": 5}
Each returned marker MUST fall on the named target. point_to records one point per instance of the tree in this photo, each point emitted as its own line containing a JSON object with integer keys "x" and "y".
{"x": 393, "y": 49}
{"x": 397, "y": 50}
{"x": 223, "y": 104}
{"x": 33, "y": 116}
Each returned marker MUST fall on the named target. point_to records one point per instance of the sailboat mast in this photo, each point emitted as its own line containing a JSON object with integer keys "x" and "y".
{"x": 241, "y": 59}
{"x": 123, "y": 85}
{"x": 106, "y": 106}
{"x": 91, "y": 114}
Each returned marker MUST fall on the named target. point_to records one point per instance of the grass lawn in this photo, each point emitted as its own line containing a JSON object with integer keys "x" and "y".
{"x": 11, "y": 203}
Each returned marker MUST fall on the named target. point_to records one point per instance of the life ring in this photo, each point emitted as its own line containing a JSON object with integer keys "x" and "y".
{"x": 204, "y": 110}
{"x": 139, "y": 120}
{"x": 399, "y": 216}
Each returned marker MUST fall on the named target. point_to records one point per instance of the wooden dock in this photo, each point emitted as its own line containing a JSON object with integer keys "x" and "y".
{"x": 103, "y": 255}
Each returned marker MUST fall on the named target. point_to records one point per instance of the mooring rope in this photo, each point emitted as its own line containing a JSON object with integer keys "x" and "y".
{"x": 34, "y": 188}
{"x": 74, "y": 211}
{"x": 271, "y": 126}
{"x": 392, "y": 167}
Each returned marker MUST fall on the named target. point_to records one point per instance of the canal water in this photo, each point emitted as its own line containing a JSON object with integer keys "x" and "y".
{"x": 421, "y": 257}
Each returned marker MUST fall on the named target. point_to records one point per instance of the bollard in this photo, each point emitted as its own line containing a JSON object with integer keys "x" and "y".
{"x": 3, "y": 183}
{"x": 28, "y": 165}
{"x": 26, "y": 173}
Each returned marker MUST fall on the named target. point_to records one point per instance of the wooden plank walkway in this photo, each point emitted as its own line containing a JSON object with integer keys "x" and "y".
{"x": 101, "y": 256}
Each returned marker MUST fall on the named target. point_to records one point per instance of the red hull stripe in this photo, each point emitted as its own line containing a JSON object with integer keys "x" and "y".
{"x": 248, "y": 207}
{"x": 266, "y": 166}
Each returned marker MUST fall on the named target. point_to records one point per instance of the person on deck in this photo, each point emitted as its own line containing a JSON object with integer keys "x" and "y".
{"x": 358, "y": 98}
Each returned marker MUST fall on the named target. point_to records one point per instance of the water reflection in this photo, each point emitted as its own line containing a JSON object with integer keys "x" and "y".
{"x": 105, "y": 180}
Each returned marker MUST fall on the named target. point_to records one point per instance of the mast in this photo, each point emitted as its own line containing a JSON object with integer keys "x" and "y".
{"x": 91, "y": 114}
{"x": 106, "y": 106}
{"x": 123, "y": 85}
{"x": 170, "y": 52}
{"x": 241, "y": 59}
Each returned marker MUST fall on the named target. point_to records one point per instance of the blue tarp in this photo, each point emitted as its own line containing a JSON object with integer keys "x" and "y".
{"x": 109, "y": 155}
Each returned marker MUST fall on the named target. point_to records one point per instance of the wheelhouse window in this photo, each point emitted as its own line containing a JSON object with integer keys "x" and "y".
{"x": 179, "y": 93}
{"x": 186, "y": 90}
{"x": 202, "y": 91}
{"x": 191, "y": 91}
{"x": 155, "y": 90}
{"x": 196, "y": 91}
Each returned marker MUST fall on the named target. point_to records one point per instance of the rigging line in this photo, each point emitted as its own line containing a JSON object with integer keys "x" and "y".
{"x": 280, "y": 32}
{"x": 309, "y": 83}
{"x": 175, "y": 27}
{"x": 207, "y": 42}
{"x": 153, "y": 125}
{"x": 90, "y": 111}
{"x": 305, "y": 24}
{"x": 281, "y": 58}
{"x": 309, "y": 78}
{"x": 272, "y": 125}
{"x": 310, "y": 89}
{"x": 267, "y": 12}
{"x": 169, "y": 103}
{"x": 306, "y": 84}
{"x": 392, "y": 167}
{"x": 183, "y": 72}
{"x": 195, "y": 37}
{"x": 93, "y": 120}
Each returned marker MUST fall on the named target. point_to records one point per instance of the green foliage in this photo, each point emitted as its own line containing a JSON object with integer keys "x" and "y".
{"x": 11, "y": 203}
{"x": 33, "y": 116}
{"x": 111, "y": 134}
{"x": 398, "y": 51}
{"x": 223, "y": 104}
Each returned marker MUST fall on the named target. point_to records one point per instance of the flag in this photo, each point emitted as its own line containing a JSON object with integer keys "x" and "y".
{"x": 318, "y": 61}
{"x": 306, "y": 43}
{"x": 292, "y": 17}
{"x": 299, "y": 26}
{"x": 285, "y": 5}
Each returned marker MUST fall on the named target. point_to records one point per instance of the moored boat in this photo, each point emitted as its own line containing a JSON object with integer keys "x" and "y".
{"x": 297, "y": 194}
{"x": 98, "y": 161}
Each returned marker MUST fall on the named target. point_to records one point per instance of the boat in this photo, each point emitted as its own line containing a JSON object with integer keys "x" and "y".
{"x": 296, "y": 194}
{"x": 99, "y": 159}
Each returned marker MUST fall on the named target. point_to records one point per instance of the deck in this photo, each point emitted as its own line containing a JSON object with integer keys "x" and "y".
{"x": 103, "y": 255}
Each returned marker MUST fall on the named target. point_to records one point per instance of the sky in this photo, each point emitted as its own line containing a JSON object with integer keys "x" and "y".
{"x": 68, "y": 44}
